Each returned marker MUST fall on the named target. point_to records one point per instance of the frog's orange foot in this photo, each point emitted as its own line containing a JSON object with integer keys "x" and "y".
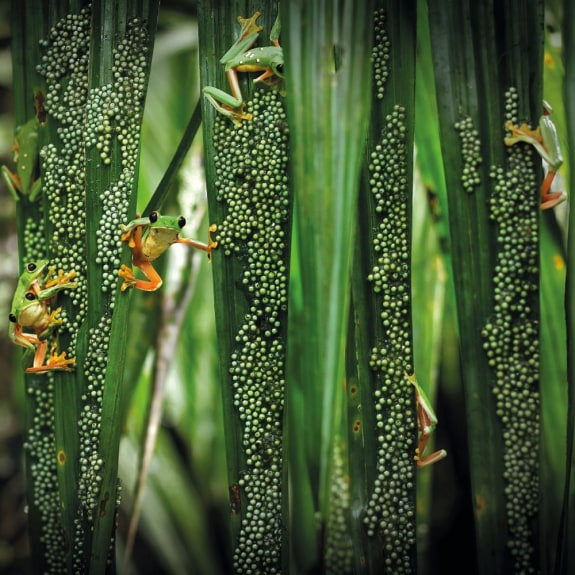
{"x": 430, "y": 459}
{"x": 128, "y": 275}
{"x": 56, "y": 362}
{"x": 549, "y": 201}
{"x": 61, "y": 278}
{"x": 53, "y": 320}
{"x": 212, "y": 244}
{"x": 520, "y": 133}
{"x": 249, "y": 25}
{"x": 129, "y": 237}
{"x": 236, "y": 115}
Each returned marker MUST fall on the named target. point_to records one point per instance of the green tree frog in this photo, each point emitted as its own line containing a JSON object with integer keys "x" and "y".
{"x": 31, "y": 309}
{"x": 26, "y": 147}
{"x": 241, "y": 57}
{"x": 160, "y": 232}
{"x": 426, "y": 423}
{"x": 546, "y": 141}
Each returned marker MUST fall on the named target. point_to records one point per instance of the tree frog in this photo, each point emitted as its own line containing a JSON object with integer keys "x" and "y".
{"x": 241, "y": 57}
{"x": 26, "y": 147}
{"x": 31, "y": 309}
{"x": 159, "y": 234}
{"x": 546, "y": 141}
{"x": 426, "y": 422}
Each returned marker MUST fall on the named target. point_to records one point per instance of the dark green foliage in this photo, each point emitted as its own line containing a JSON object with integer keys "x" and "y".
{"x": 374, "y": 226}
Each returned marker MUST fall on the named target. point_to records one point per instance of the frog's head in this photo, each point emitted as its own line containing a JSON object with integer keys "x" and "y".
{"x": 33, "y": 270}
{"x": 162, "y": 233}
{"x": 170, "y": 222}
{"x": 23, "y": 295}
{"x": 277, "y": 63}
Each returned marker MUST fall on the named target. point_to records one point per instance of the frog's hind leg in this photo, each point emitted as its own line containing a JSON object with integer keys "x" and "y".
{"x": 56, "y": 361}
{"x": 39, "y": 355}
{"x": 550, "y": 199}
{"x": 425, "y": 427}
{"x": 152, "y": 283}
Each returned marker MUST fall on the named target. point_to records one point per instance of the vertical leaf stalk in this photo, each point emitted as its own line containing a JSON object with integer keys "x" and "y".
{"x": 565, "y": 558}
{"x": 327, "y": 47}
{"x": 385, "y": 427}
{"x": 493, "y": 214}
{"x": 93, "y": 73}
{"x": 249, "y": 201}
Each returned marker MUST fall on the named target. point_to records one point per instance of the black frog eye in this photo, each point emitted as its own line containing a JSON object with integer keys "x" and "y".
{"x": 154, "y": 217}
{"x": 181, "y": 221}
{"x": 12, "y": 318}
{"x": 30, "y": 296}
{"x": 31, "y": 266}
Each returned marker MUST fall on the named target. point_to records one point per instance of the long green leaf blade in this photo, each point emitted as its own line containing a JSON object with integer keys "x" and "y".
{"x": 326, "y": 47}
{"x": 496, "y": 290}
{"x": 565, "y": 559}
{"x": 249, "y": 201}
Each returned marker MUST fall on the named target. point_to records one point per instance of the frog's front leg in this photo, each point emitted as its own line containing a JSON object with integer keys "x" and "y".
{"x": 52, "y": 322}
{"x": 133, "y": 235}
{"x": 57, "y": 284}
{"x": 62, "y": 279}
{"x": 211, "y": 245}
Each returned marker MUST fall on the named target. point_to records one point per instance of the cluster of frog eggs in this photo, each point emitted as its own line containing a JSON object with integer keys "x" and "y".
{"x": 380, "y": 53}
{"x": 65, "y": 61}
{"x": 511, "y": 339}
{"x": 34, "y": 248}
{"x": 89, "y": 426}
{"x": 470, "y": 153}
{"x": 65, "y": 69}
{"x": 338, "y": 548}
{"x": 112, "y": 112}
{"x": 40, "y": 447}
{"x": 390, "y": 510}
{"x": 251, "y": 174}
{"x": 114, "y": 115}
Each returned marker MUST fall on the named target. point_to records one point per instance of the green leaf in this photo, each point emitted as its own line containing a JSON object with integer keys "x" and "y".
{"x": 565, "y": 558}
{"x": 249, "y": 201}
{"x": 328, "y": 78}
{"x": 92, "y": 66}
{"x": 466, "y": 39}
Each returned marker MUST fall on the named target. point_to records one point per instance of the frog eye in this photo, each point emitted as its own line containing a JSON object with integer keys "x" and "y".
{"x": 31, "y": 266}
{"x": 154, "y": 217}
{"x": 12, "y": 318}
{"x": 181, "y": 221}
{"x": 30, "y": 296}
